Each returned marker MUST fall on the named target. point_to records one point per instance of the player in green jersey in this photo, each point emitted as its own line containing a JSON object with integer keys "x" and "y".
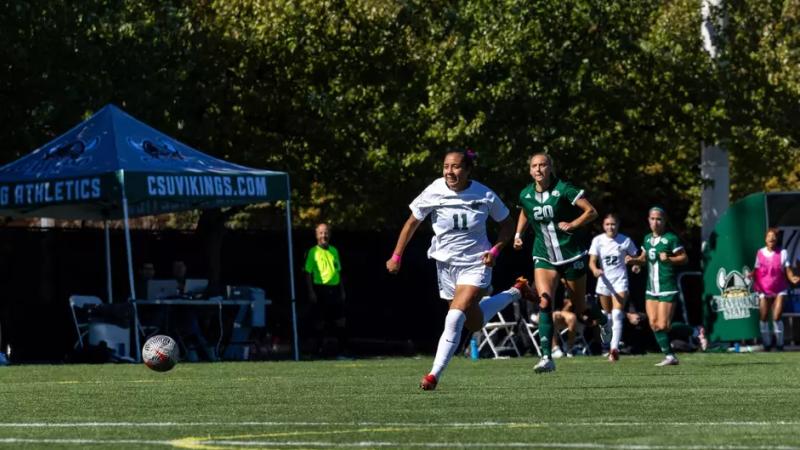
{"x": 556, "y": 210}
{"x": 662, "y": 251}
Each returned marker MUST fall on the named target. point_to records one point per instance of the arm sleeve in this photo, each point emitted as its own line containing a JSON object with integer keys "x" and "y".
{"x": 631, "y": 247}
{"x": 594, "y": 247}
{"x": 675, "y": 244}
{"x": 423, "y": 204}
{"x": 573, "y": 194}
{"x": 309, "y": 267}
{"x": 497, "y": 209}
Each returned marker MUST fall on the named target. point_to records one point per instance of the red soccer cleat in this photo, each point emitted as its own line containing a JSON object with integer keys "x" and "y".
{"x": 525, "y": 289}
{"x": 613, "y": 355}
{"x": 428, "y": 382}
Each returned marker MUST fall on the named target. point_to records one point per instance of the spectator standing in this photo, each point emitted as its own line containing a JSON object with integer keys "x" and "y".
{"x": 326, "y": 291}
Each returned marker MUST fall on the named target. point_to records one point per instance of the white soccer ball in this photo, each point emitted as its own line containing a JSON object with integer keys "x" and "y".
{"x": 160, "y": 353}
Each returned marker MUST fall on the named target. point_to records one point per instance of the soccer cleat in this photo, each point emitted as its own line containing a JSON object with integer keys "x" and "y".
{"x": 557, "y": 353}
{"x": 613, "y": 355}
{"x": 428, "y": 382}
{"x": 544, "y": 365}
{"x": 525, "y": 290}
{"x": 669, "y": 360}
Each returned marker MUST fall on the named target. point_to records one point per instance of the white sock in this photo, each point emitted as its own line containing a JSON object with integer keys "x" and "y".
{"x": 492, "y": 305}
{"x": 451, "y": 336}
{"x": 777, "y": 325}
{"x": 766, "y": 337}
{"x": 616, "y": 327}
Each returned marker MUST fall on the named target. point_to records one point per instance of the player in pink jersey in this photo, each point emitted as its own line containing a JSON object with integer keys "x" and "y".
{"x": 771, "y": 276}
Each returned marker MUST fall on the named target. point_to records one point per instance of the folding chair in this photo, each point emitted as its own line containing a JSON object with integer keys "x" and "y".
{"x": 579, "y": 342}
{"x": 80, "y": 316}
{"x": 499, "y": 335}
{"x": 532, "y": 328}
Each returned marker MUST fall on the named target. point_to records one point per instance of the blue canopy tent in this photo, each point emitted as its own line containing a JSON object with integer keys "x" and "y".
{"x": 113, "y": 167}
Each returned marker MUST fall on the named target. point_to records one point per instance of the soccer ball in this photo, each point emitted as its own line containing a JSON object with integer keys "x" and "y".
{"x": 160, "y": 353}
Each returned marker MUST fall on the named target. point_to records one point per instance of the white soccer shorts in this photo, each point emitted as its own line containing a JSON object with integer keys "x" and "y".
{"x": 449, "y": 276}
{"x": 610, "y": 288}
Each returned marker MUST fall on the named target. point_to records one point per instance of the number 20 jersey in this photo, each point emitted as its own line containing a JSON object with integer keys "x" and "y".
{"x": 459, "y": 220}
{"x": 544, "y": 211}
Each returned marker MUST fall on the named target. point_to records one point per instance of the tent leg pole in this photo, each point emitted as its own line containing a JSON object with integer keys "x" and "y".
{"x": 108, "y": 262}
{"x": 130, "y": 277}
{"x": 291, "y": 279}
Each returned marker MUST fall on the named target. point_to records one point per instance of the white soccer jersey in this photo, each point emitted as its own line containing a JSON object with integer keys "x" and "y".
{"x": 610, "y": 252}
{"x": 459, "y": 220}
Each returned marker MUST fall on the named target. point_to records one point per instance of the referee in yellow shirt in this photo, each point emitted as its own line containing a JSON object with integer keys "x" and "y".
{"x": 326, "y": 291}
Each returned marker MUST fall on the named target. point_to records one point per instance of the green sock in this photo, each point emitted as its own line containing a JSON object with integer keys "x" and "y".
{"x": 546, "y": 332}
{"x": 662, "y": 337}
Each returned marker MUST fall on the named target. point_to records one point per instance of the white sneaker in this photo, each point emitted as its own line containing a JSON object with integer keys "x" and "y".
{"x": 557, "y": 353}
{"x": 669, "y": 360}
{"x": 544, "y": 365}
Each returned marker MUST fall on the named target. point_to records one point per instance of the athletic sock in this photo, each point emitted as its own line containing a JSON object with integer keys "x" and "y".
{"x": 492, "y": 305}
{"x": 451, "y": 336}
{"x": 546, "y": 332}
{"x": 766, "y": 336}
{"x": 662, "y": 337}
{"x": 616, "y": 327}
{"x": 777, "y": 325}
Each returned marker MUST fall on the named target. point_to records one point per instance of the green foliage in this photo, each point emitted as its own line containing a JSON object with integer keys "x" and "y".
{"x": 358, "y": 99}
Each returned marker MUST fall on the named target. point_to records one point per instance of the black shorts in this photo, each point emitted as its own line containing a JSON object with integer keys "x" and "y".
{"x": 330, "y": 305}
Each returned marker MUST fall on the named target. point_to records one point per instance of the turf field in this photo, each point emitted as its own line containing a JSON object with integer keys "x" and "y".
{"x": 724, "y": 401}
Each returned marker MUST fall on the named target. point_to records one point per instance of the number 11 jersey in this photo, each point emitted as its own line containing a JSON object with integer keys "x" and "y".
{"x": 459, "y": 220}
{"x": 544, "y": 211}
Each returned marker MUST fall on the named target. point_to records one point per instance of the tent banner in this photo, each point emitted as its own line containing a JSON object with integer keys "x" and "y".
{"x": 226, "y": 188}
{"x": 36, "y": 194}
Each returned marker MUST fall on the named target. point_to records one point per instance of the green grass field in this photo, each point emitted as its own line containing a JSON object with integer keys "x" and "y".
{"x": 726, "y": 401}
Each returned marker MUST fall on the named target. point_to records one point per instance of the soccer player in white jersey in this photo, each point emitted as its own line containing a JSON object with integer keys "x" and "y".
{"x": 607, "y": 262}
{"x": 459, "y": 208}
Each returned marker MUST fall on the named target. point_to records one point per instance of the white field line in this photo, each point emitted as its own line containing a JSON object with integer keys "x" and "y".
{"x": 373, "y": 444}
{"x": 393, "y": 424}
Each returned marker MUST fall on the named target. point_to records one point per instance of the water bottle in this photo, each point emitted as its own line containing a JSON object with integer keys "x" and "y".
{"x": 736, "y": 348}
{"x": 473, "y": 349}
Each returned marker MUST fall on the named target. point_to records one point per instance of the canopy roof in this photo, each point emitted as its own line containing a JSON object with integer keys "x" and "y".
{"x": 84, "y": 174}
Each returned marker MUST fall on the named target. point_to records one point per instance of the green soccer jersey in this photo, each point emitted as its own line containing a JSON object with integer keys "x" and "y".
{"x": 661, "y": 280}
{"x": 544, "y": 211}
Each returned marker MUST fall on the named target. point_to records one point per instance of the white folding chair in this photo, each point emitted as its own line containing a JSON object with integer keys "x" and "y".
{"x": 579, "y": 343}
{"x": 532, "y": 328}
{"x": 499, "y": 335}
{"x": 81, "y": 318}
